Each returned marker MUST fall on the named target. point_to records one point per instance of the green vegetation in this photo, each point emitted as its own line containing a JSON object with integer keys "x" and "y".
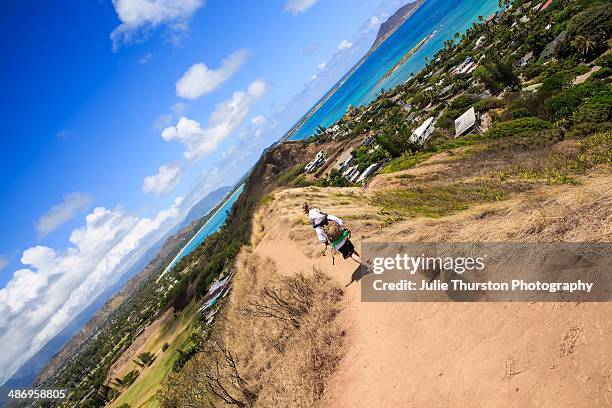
{"x": 438, "y": 201}
{"x": 497, "y": 76}
{"x": 335, "y": 179}
{"x": 406, "y": 161}
{"x": 290, "y": 175}
{"x": 516, "y": 127}
{"x": 590, "y": 30}
{"x": 566, "y": 40}
{"x": 366, "y": 156}
{"x": 145, "y": 359}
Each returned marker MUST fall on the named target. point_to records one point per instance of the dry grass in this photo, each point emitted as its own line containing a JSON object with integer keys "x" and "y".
{"x": 281, "y": 333}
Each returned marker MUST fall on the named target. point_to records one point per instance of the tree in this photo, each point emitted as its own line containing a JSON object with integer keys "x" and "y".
{"x": 146, "y": 358}
{"x": 590, "y": 30}
{"x": 584, "y": 45}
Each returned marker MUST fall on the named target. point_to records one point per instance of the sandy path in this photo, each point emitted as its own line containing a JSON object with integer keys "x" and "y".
{"x": 459, "y": 355}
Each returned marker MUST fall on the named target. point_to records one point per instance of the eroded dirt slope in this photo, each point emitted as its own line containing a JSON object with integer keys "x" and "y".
{"x": 456, "y": 354}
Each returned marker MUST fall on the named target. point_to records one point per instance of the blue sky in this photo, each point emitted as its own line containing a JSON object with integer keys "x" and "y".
{"x": 120, "y": 115}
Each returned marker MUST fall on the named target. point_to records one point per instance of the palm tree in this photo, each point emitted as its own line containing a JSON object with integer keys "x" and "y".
{"x": 584, "y": 44}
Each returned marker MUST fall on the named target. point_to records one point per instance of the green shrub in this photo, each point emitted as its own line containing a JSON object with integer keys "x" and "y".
{"x": 184, "y": 357}
{"x": 555, "y": 82}
{"x": 590, "y": 29}
{"x": 406, "y": 161}
{"x": 335, "y": 179}
{"x": 289, "y": 175}
{"x": 520, "y": 113}
{"x": 567, "y": 101}
{"x": 516, "y": 127}
{"x": 438, "y": 201}
{"x": 603, "y": 73}
{"x": 582, "y": 130}
{"x": 597, "y": 109}
{"x": 488, "y": 104}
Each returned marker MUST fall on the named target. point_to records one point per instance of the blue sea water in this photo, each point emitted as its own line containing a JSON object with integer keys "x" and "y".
{"x": 212, "y": 225}
{"x": 445, "y": 17}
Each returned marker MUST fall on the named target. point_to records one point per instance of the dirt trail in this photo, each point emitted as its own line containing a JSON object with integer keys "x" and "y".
{"x": 459, "y": 354}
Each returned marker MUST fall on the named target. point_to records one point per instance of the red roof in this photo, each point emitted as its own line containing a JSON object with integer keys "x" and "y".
{"x": 545, "y": 6}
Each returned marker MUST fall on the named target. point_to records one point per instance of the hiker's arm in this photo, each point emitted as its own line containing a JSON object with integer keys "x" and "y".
{"x": 335, "y": 219}
{"x": 321, "y": 235}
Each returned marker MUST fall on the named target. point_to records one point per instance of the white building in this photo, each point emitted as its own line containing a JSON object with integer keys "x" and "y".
{"x": 422, "y": 133}
{"x": 351, "y": 174}
{"x": 318, "y": 161}
{"x": 345, "y": 161}
{"x": 371, "y": 169}
{"x": 466, "y": 122}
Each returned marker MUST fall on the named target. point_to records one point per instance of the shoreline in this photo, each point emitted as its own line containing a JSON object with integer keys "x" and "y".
{"x": 220, "y": 205}
{"x": 405, "y": 58}
{"x": 334, "y": 89}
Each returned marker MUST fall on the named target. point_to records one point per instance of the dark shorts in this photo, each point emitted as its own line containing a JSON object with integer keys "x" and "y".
{"x": 347, "y": 249}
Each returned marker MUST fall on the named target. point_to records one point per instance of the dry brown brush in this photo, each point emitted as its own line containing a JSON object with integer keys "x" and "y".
{"x": 276, "y": 344}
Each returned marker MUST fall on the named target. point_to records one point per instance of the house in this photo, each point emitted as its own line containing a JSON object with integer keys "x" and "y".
{"x": 465, "y": 67}
{"x": 351, "y": 174}
{"x": 369, "y": 141}
{"x": 491, "y": 18}
{"x": 318, "y": 161}
{"x": 479, "y": 43}
{"x": 545, "y": 5}
{"x": 345, "y": 161}
{"x": 370, "y": 170}
{"x": 552, "y": 47}
{"x": 466, "y": 122}
{"x": 422, "y": 133}
{"x": 525, "y": 60}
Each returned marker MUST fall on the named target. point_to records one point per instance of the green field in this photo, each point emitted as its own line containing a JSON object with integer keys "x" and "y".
{"x": 142, "y": 393}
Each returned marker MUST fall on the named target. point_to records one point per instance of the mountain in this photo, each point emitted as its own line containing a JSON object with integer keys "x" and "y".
{"x": 203, "y": 207}
{"x": 53, "y": 354}
{"x": 397, "y": 19}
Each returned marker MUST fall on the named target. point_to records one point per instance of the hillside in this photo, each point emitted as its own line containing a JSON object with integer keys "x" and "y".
{"x": 533, "y": 166}
{"x": 295, "y": 332}
{"x": 163, "y": 255}
{"x": 203, "y": 207}
{"x": 346, "y": 353}
{"x": 397, "y": 19}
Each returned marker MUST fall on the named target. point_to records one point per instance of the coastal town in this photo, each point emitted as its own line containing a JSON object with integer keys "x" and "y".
{"x": 531, "y": 77}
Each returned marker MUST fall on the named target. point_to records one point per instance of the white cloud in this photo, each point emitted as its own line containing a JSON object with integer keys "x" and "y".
{"x": 3, "y": 262}
{"x": 259, "y": 120}
{"x": 164, "y": 120}
{"x": 145, "y": 58}
{"x": 296, "y": 7}
{"x": 200, "y": 80}
{"x": 163, "y": 182}
{"x": 374, "y": 23}
{"x": 225, "y": 119}
{"x": 61, "y": 213}
{"x": 139, "y": 17}
{"x": 312, "y": 47}
{"x": 322, "y": 66}
{"x": 53, "y": 287}
{"x": 344, "y": 45}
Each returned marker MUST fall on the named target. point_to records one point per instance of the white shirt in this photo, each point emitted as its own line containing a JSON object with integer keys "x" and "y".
{"x": 316, "y": 216}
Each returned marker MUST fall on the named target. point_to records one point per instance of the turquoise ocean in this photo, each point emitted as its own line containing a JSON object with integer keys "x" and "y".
{"x": 444, "y": 17}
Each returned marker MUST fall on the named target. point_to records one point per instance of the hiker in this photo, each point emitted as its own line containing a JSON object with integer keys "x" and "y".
{"x": 330, "y": 232}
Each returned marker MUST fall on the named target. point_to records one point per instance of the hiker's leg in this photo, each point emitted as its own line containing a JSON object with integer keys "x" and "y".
{"x": 355, "y": 257}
